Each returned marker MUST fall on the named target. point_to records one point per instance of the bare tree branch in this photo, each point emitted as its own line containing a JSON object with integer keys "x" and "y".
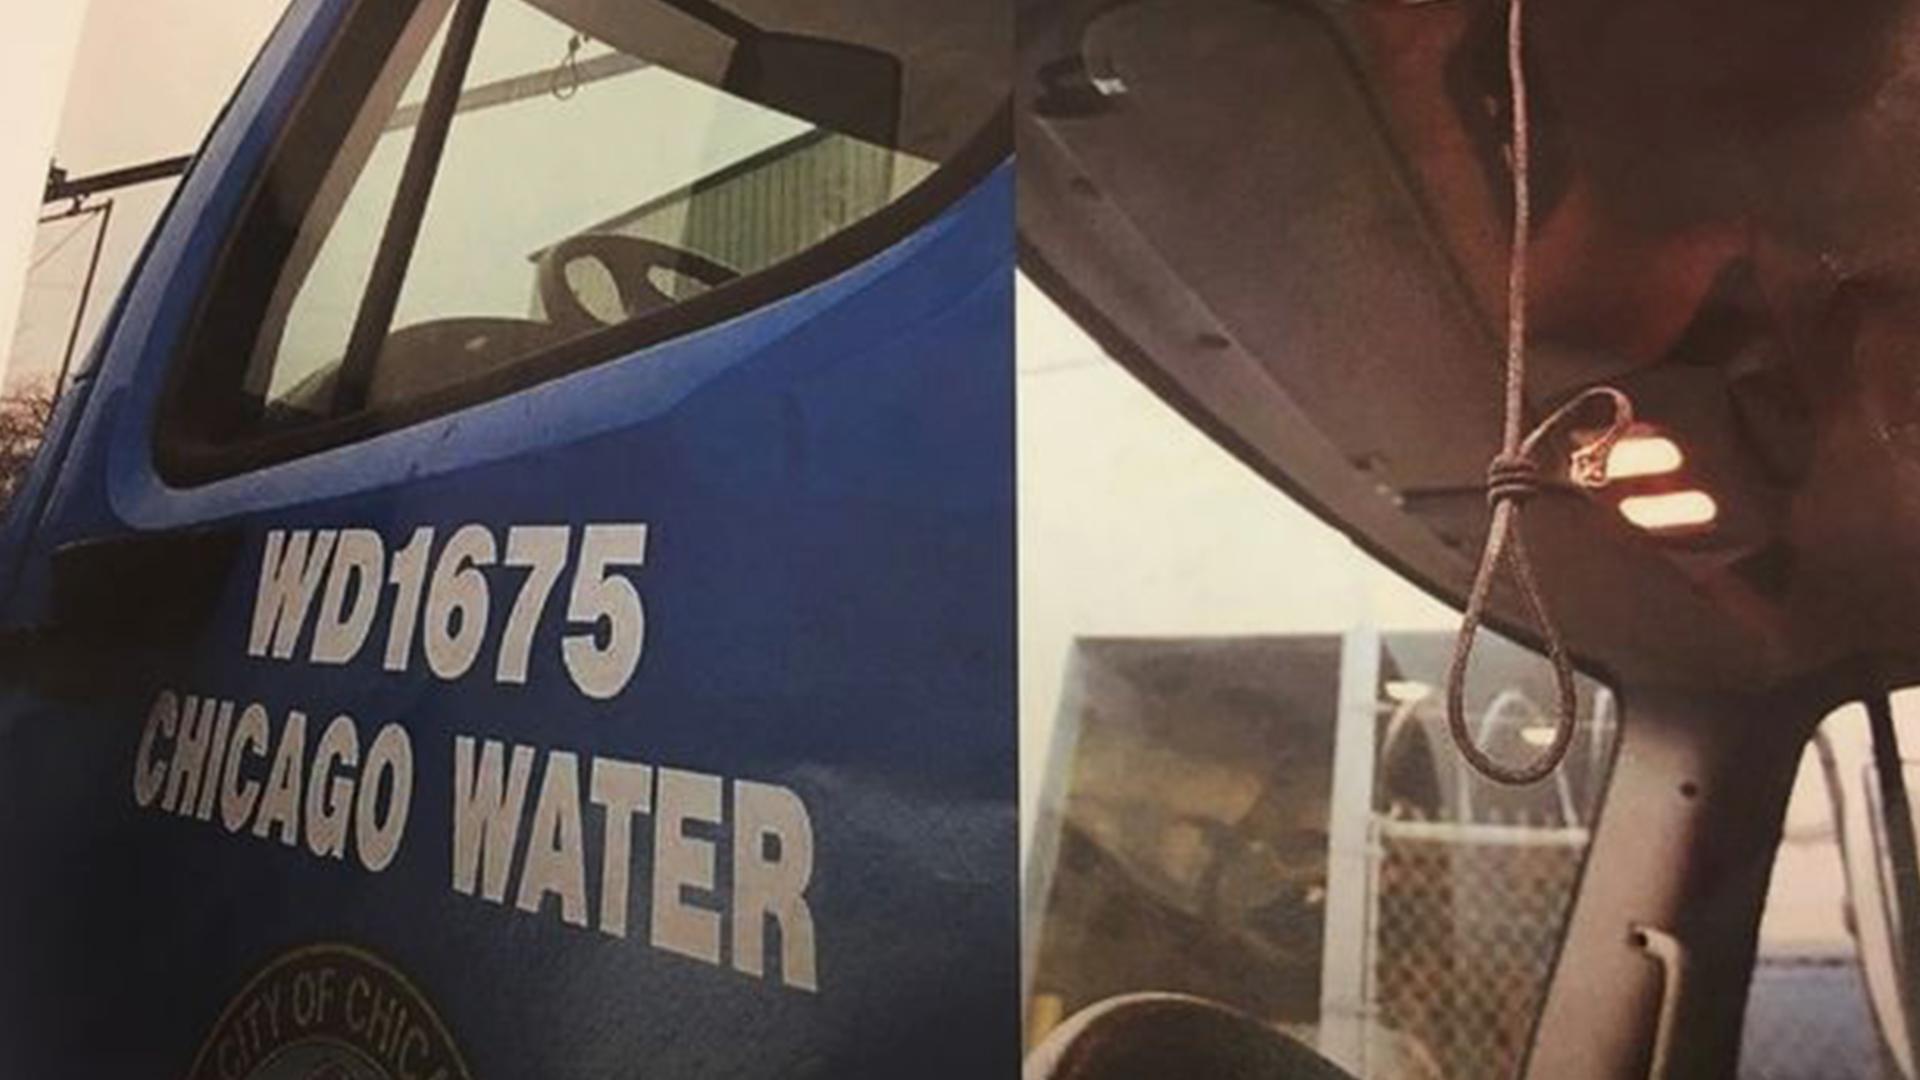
{"x": 26, "y": 408}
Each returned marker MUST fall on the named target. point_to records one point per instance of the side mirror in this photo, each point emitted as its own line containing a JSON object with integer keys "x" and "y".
{"x": 848, "y": 88}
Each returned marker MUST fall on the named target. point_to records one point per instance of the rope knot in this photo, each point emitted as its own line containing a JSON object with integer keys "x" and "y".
{"x": 1514, "y": 477}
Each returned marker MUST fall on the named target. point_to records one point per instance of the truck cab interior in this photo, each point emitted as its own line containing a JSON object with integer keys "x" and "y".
{"x": 1290, "y": 219}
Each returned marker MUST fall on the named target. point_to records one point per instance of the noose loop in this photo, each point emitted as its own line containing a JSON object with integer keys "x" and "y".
{"x": 1514, "y": 477}
{"x": 564, "y": 81}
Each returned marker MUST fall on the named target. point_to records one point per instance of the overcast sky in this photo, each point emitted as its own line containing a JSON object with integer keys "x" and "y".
{"x": 149, "y": 78}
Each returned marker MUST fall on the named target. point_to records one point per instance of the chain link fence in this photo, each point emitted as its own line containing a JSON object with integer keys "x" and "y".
{"x": 1466, "y": 919}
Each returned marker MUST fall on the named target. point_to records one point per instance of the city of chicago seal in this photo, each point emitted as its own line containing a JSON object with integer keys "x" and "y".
{"x": 329, "y": 1012}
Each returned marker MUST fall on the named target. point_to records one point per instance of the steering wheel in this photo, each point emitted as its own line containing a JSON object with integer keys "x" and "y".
{"x": 1152, "y": 1036}
{"x": 629, "y": 260}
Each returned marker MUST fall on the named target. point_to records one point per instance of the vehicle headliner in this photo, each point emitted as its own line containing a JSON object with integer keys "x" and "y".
{"x": 1289, "y": 217}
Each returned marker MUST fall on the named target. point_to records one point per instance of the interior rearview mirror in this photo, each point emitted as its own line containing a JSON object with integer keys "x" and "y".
{"x": 848, "y": 88}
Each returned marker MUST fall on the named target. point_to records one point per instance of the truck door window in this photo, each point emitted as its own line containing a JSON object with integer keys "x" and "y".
{"x": 1248, "y": 793}
{"x": 1807, "y": 1010}
{"x": 518, "y": 179}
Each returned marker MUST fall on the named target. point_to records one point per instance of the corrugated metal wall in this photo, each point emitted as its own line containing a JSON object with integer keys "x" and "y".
{"x": 779, "y": 203}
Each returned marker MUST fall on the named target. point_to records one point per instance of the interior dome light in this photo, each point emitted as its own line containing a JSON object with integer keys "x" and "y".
{"x": 1643, "y": 455}
{"x": 1671, "y": 511}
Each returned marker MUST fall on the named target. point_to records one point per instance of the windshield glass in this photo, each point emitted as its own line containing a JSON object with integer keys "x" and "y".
{"x": 1239, "y": 763}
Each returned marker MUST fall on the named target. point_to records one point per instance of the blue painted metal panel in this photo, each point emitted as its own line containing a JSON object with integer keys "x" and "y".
{"x": 828, "y": 586}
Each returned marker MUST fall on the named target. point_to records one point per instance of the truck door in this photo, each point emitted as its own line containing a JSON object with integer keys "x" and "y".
{"x": 528, "y": 591}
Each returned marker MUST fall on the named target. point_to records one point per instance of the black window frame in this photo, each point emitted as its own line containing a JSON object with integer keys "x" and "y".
{"x": 205, "y": 428}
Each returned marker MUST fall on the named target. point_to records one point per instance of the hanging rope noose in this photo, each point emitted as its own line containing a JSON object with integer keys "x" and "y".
{"x": 1513, "y": 477}
{"x": 564, "y": 81}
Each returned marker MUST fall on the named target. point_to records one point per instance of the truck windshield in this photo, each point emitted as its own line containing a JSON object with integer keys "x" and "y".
{"x": 1248, "y": 793}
